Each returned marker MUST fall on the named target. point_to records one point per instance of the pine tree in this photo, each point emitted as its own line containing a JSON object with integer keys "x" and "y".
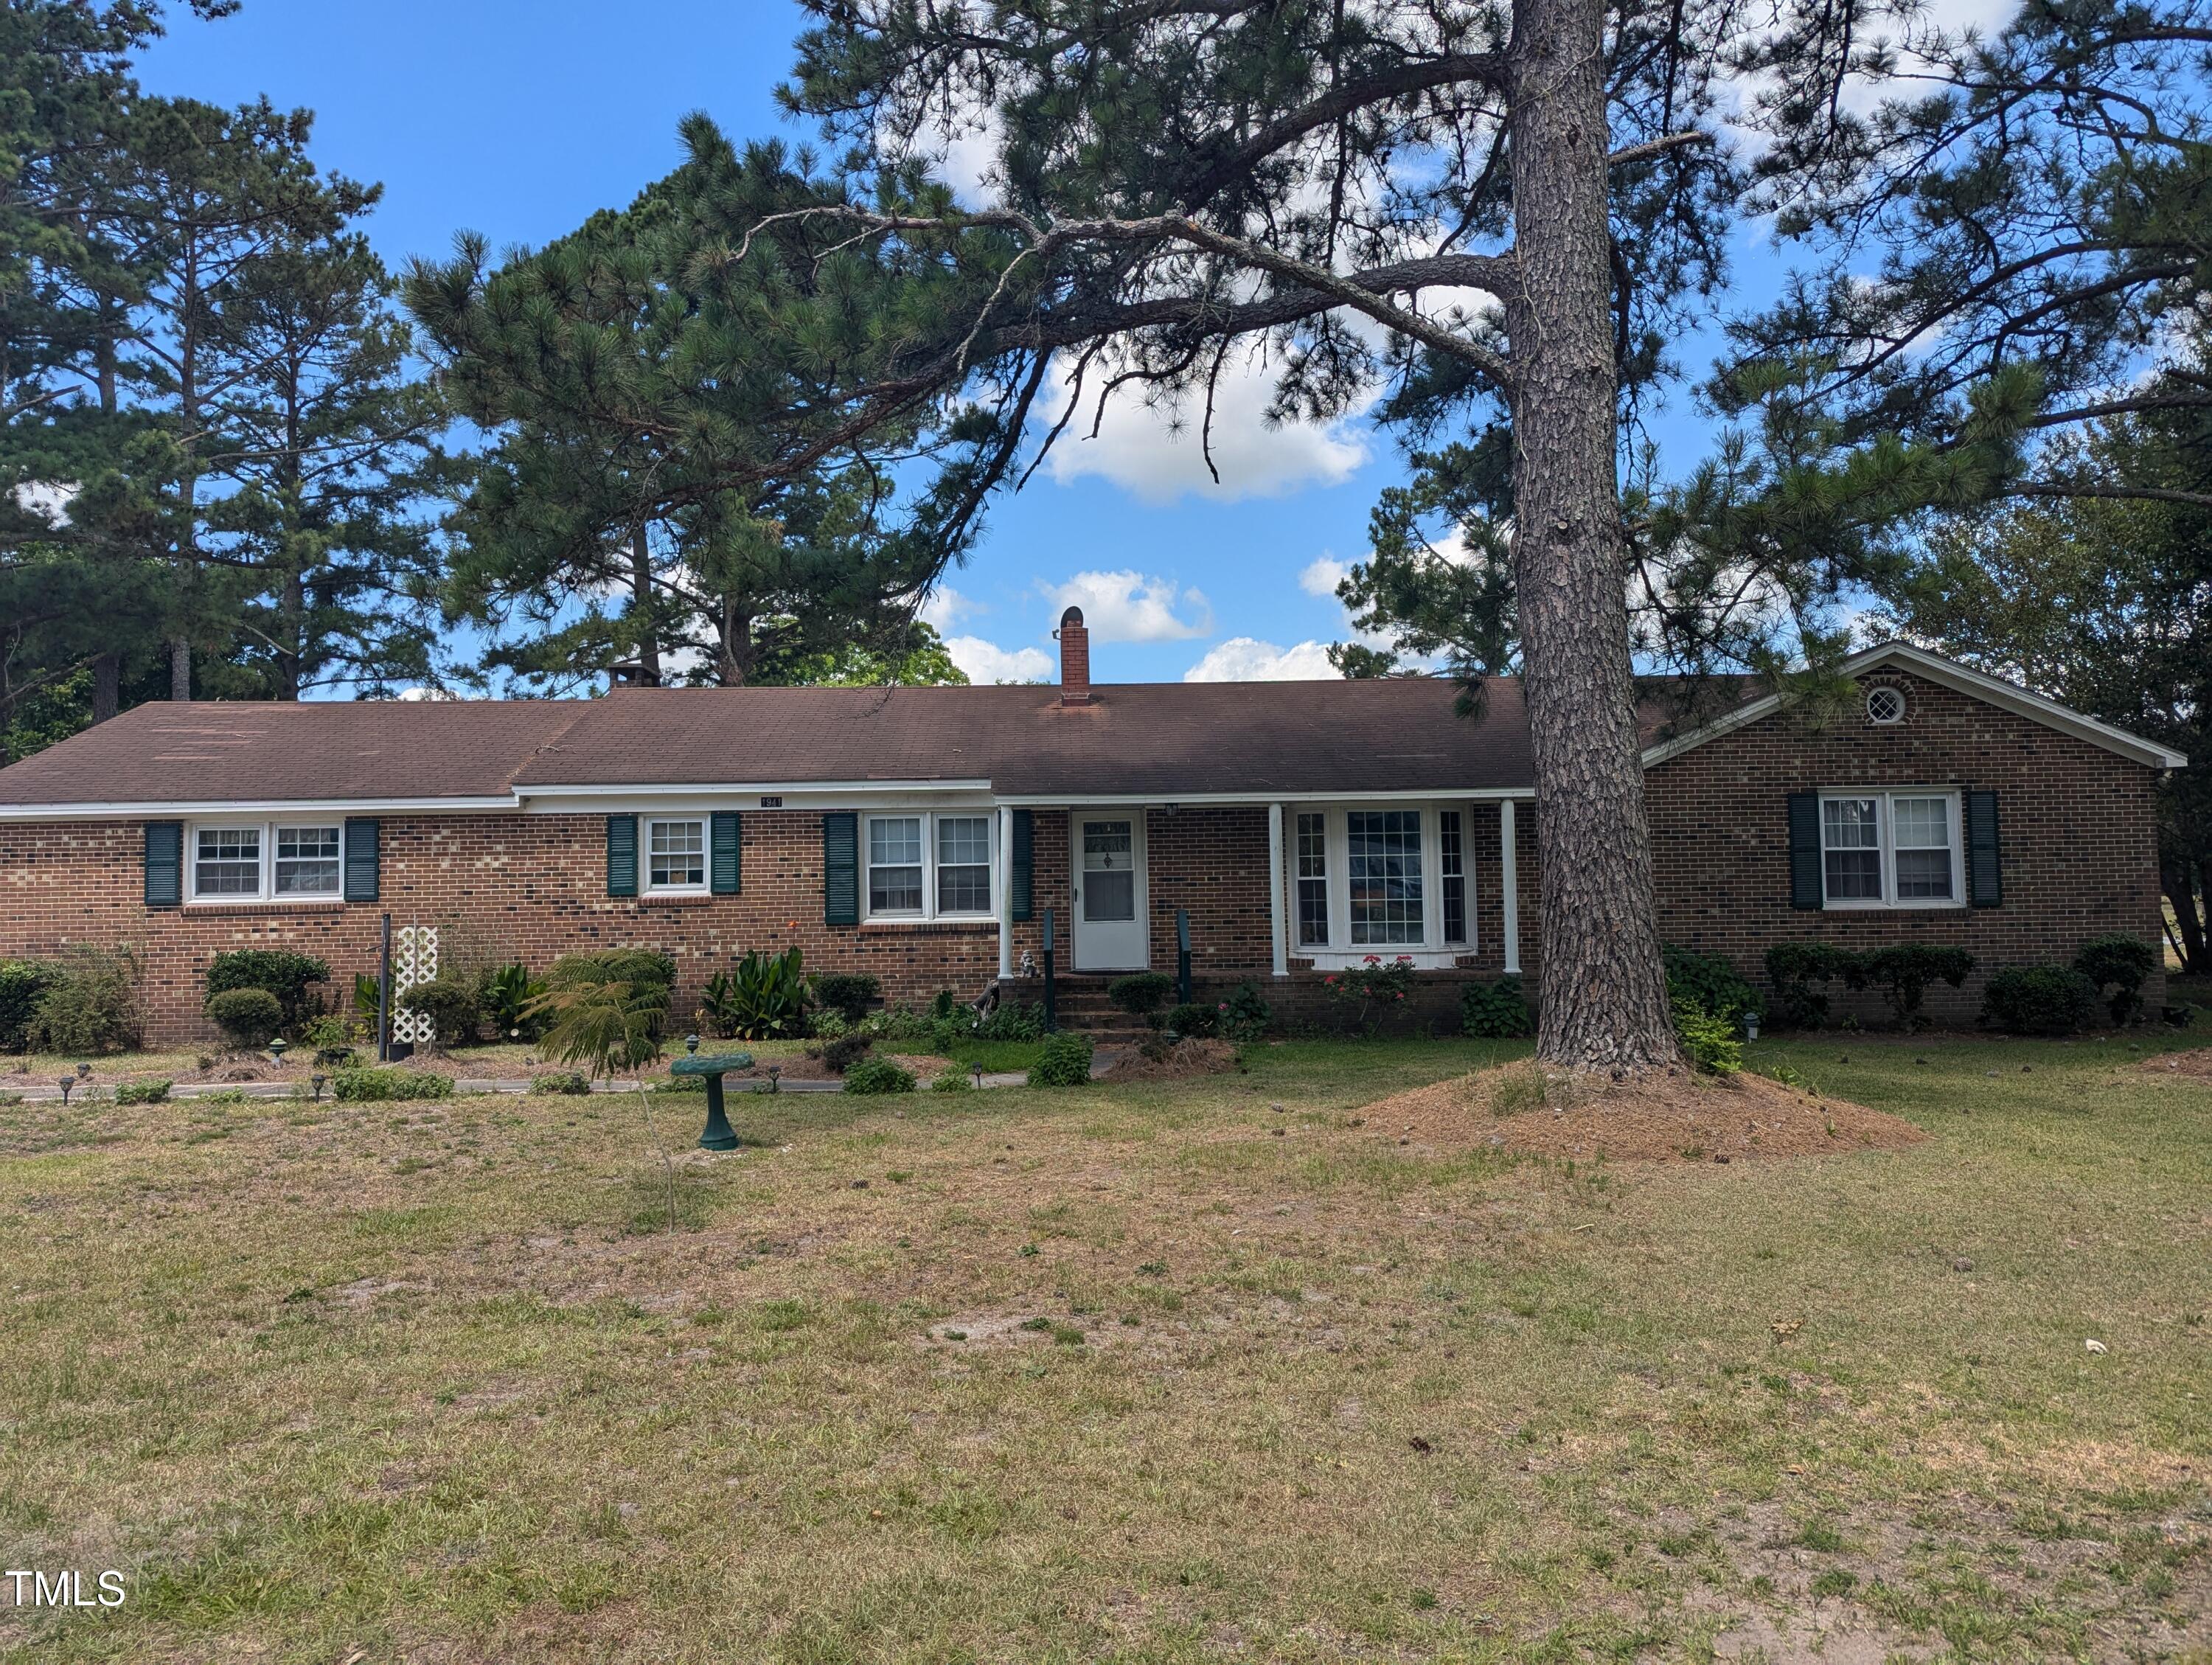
{"x": 677, "y": 481}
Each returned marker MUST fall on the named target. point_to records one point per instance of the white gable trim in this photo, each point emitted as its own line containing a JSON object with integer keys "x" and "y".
{"x": 2009, "y": 697}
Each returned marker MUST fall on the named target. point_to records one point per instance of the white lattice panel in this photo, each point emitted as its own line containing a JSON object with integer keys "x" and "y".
{"x": 413, "y": 963}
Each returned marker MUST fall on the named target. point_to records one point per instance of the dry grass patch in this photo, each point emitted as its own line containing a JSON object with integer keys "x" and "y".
{"x": 1234, "y": 1376}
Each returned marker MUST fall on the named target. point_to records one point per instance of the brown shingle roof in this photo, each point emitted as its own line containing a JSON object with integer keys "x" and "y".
{"x": 1394, "y": 735}
{"x": 270, "y": 751}
{"x": 1161, "y": 740}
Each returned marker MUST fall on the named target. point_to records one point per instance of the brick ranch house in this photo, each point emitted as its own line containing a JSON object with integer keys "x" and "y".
{"x": 926, "y": 834}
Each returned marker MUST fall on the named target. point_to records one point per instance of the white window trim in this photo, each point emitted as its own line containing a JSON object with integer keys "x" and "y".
{"x": 1886, "y": 819}
{"x": 1431, "y": 952}
{"x": 265, "y": 894}
{"x": 929, "y": 914}
{"x": 705, "y": 823}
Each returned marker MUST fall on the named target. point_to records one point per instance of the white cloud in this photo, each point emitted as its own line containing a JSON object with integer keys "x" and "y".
{"x": 1243, "y": 658}
{"x": 945, "y": 608}
{"x": 986, "y": 662}
{"x": 47, "y": 499}
{"x": 1131, "y": 606}
{"x": 1154, "y": 453}
{"x": 418, "y": 694}
{"x": 1322, "y": 575}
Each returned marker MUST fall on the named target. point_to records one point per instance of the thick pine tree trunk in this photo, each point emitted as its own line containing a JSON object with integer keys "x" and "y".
{"x": 1604, "y": 990}
{"x": 106, "y": 686}
{"x": 640, "y": 582}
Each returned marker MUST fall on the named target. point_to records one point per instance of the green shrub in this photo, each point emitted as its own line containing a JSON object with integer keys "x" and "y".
{"x": 1065, "y": 1061}
{"x": 248, "y": 1018}
{"x": 21, "y": 982}
{"x": 2040, "y": 999}
{"x": 762, "y": 997}
{"x": 2119, "y": 963}
{"x": 1709, "y": 1039}
{"x": 845, "y": 1051}
{"x": 952, "y": 1081}
{"x": 569, "y": 1082}
{"x": 141, "y": 1092}
{"x": 370, "y": 1086}
{"x": 1792, "y": 968}
{"x": 504, "y": 994}
{"x": 1495, "y": 1012}
{"x": 1140, "y": 992}
{"x": 1707, "y": 982}
{"x": 451, "y": 1006}
{"x": 944, "y": 1003}
{"x": 1011, "y": 1020}
{"x": 1194, "y": 1019}
{"x": 278, "y": 971}
{"x": 877, "y": 1075}
{"x": 90, "y": 1004}
{"x": 1903, "y": 972}
{"x": 848, "y": 993}
{"x": 1245, "y": 1015}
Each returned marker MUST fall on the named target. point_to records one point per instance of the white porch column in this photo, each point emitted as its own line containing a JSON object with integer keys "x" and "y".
{"x": 1003, "y": 900}
{"x": 1509, "y": 876}
{"x": 1279, "y": 938}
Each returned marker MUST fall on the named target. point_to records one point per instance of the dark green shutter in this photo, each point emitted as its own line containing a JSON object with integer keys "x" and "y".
{"x": 361, "y": 859}
{"x": 165, "y": 864}
{"x": 1805, "y": 889}
{"x": 622, "y": 855}
{"x": 840, "y": 868}
{"x": 1984, "y": 859}
{"x": 726, "y": 867}
{"x": 1024, "y": 864}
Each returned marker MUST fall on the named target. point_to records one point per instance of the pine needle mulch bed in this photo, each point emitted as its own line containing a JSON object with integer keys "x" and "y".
{"x": 1173, "y": 1371}
{"x": 1678, "y": 1116}
{"x": 1185, "y": 1060}
{"x": 2195, "y": 1064}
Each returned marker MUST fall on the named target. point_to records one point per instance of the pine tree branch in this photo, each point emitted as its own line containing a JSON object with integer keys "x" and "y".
{"x": 1485, "y": 69}
{"x": 2139, "y": 493}
{"x": 1658, "y": 147}
{"x": 1320, "y": 289}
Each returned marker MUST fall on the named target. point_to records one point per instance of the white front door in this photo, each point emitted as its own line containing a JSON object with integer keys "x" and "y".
{"x": 1109, "y": 892}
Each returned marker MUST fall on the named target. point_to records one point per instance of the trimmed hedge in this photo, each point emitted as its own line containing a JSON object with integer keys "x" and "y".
{"x": 277, "y": 970}
{"x": 21, "y": 982}
{"x": 1708, "y": 982}
{"x": 848, "y": 993}
{"x": 2120, "y": 964}
{"x": 1140, "y": 992}
{"x": 453, "y": 1005}
{"x": 249, "y": 1017}
{"x": 2040, "y": 999}
{"x": 1194, "y": 1020}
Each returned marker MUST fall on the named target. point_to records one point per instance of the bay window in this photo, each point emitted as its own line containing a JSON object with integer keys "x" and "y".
{"x": 930, "y": 865}
{"x": 1377, "y": 879}
{"x": 1890, "y": 849}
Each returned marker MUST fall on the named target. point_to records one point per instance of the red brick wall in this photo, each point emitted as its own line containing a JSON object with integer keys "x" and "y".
{"x": 2078, "y": 844}
{"x": 504, "y": 887}
{"x": 2077, "y": 823}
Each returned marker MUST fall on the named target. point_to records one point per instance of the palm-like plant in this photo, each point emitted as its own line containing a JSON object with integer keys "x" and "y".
{"x": 607, "y": 1027}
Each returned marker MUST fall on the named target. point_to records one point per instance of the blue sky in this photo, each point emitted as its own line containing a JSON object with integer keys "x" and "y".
{"x": 518, "y": 117}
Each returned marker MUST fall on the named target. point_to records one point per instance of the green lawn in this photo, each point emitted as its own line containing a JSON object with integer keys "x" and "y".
{"x": 1235, "y": 1378}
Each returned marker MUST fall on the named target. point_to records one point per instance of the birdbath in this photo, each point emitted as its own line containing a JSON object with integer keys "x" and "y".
{"x": 719, "y": 1135}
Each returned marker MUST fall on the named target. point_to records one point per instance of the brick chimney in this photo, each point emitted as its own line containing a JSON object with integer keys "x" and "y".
{"x": 1074, "y": 657}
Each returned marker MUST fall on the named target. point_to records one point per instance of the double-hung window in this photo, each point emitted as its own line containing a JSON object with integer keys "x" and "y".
{"x": 1451, "y": 874}
{"x": 930, "y": 866}
{"x": 266, "y": 861}
{"x": 675, "y": 856}
{"x": 1890, "y": 849}
{"x": 1313, "y": 881}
